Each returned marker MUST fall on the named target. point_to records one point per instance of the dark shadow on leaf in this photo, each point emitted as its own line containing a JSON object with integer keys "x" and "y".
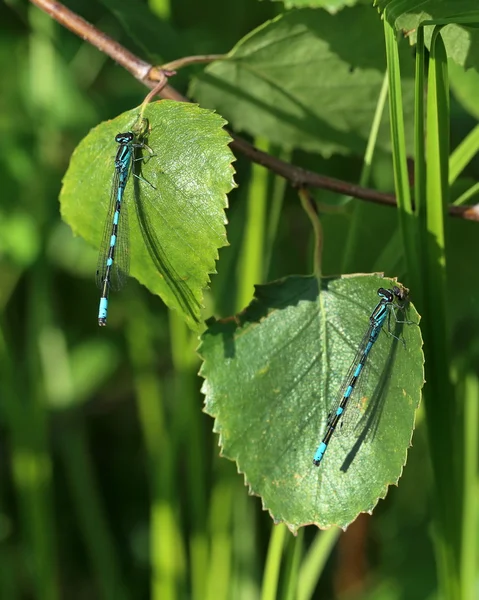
{"x": 225, "y": 328}
{"x": 184, "y": 296}
{"x": 369, "y": 423}
{"x": 268, "y": 298}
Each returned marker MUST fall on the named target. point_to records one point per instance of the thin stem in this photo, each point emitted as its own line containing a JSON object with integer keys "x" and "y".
{"x": 469, "y": 519}
{"x": 167, "y": 554}
{"x": 310, "y": 207}
{"x": 313, "y": 563}
{"x": 355, "y": 238}
{"x": 251, "y": 269}
{"x": 294, "y": 555}
{"x": 277, "y": 198}
{"x": 157, "y": 89}
{"x": 273, "y": 562}
{"x": 180, "y": 63}
{"x": 440, "y": 402}
{"x": 464, "y": 153}
{"x": 464, "y": 197}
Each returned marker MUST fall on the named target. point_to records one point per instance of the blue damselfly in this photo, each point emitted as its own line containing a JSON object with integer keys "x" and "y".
{"x": 390, "y": 300}
{"x": 113, "y": 260}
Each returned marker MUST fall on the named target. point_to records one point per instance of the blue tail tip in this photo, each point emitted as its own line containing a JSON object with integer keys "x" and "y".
{"x": 319, "y": 454}
{"x": 102, "y": 311}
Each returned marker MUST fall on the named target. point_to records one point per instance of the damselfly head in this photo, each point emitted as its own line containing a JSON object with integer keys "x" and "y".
{"x": 387, "y": 295}
{"x": 400, "y": 293}
{"x": 124, "y": 138}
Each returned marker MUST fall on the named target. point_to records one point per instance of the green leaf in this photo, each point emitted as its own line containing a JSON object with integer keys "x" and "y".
{"x": 182, "y": 198}
{"x": 271, "y": 376}
{"x": 298, "y": 81}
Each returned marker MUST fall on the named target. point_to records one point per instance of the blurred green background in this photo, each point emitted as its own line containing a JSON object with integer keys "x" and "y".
{"x": 111, "y": 485}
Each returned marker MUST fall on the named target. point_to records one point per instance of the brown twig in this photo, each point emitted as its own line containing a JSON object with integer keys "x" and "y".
{"x": 150, "y": 75}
